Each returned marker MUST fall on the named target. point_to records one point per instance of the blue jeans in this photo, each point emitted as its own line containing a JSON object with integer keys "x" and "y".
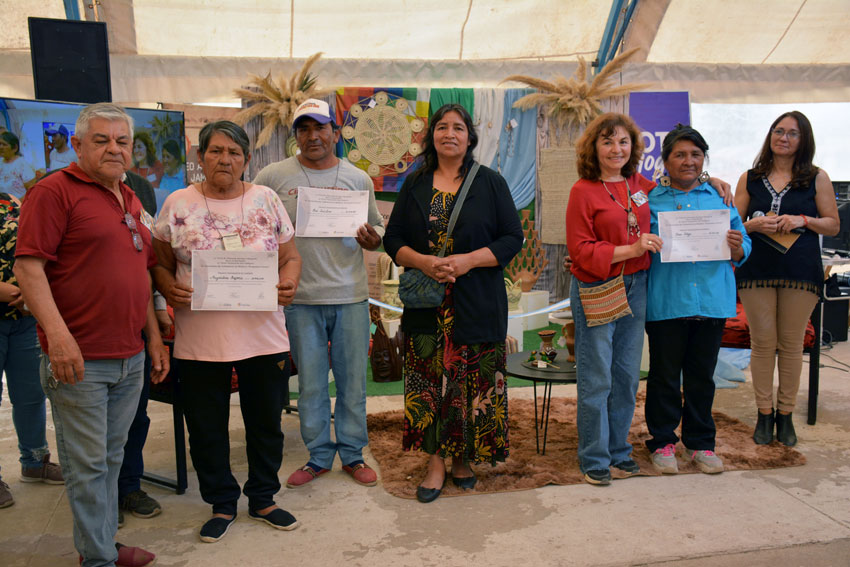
{"x": 346, "y": 327}
{"x": 19, "y": 357}
{"x": 92, "y": 418}
{"x": 608, "y": 371}
{"x": 133, "y": 467}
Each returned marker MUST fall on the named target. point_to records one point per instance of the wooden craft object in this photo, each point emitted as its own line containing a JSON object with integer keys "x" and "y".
{"x": 531, "y": 260}
{"x": 386, "y": 357}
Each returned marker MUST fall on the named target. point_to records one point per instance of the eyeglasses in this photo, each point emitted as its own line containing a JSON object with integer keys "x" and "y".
{"x": 134, "y": 232}
{"x": 780, "y": 132}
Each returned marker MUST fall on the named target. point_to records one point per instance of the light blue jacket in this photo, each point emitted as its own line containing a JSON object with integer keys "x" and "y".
{"x": 692, "y": 289}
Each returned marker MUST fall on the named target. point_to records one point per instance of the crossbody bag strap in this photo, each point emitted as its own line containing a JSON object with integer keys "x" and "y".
{"x": 461, "y": 197}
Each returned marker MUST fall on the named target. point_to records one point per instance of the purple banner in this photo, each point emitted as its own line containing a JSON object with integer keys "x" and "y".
{"x": 656, "y": 113}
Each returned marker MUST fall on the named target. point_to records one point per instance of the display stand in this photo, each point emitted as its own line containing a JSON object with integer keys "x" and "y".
{"x": 515, "y": 326}
{"x": 532, "y": 301}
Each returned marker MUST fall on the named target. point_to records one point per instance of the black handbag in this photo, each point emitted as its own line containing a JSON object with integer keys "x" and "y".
{"x": 415, "y": 288}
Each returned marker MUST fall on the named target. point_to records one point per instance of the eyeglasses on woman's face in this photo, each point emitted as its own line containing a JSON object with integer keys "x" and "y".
{"x": 782, "y": 132}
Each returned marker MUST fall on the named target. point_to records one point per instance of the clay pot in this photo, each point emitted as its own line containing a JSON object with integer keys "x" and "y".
{"x": 546, "y": 346}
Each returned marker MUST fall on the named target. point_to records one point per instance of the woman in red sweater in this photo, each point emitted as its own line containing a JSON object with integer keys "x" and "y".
{"x": 608, "y": 234}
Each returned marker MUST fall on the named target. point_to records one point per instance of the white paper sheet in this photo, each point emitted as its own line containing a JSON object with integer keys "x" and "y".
{"x": 237, "y": 280}
{"x": 329, "y": 212}
{"x": 694, "y": 236}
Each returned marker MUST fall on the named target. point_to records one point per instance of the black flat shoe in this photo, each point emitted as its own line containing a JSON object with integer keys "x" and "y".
{"x": 785, "y": 433}
{"x": 426, "y": 495}
{"x": 465, "y": 482}
{"x": 764, "y": 429}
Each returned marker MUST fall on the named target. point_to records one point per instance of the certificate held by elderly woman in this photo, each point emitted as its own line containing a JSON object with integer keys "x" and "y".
{"x": 694, "y": 236}
{"x": 234, "y": 280}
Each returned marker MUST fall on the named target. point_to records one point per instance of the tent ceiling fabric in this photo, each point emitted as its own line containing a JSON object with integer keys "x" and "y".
{"x": 415, "y": 29}
{"x": 751, "y": 32}
{"x": 200, "y": 50}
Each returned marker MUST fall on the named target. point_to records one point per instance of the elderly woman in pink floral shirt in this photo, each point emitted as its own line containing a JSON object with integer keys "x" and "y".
{"x": 225, "y": 213}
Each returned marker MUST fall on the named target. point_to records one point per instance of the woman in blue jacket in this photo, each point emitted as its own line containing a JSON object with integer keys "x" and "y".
{"x": 687, "y": 306}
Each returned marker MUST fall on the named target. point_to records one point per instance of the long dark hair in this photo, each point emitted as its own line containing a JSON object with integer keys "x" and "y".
{"x": 803, "y": 170}
{"x": 150, "y": 149}
{"x": 428, "y": 159}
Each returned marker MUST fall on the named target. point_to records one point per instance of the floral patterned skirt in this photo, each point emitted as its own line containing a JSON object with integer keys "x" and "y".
{"x": 455, "y": 396}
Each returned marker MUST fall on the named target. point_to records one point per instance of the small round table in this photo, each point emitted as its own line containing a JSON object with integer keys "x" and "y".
{"x": 566, "y": 374}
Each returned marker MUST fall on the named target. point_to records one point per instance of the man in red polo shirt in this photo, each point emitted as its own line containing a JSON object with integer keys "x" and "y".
{"x": 82, "y": 261}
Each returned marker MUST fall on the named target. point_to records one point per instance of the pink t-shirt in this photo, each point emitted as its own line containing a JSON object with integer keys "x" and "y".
{"x": 185, "y": 223}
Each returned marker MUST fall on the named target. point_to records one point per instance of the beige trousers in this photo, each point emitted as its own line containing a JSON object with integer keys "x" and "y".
{"x": 777, "y": 319}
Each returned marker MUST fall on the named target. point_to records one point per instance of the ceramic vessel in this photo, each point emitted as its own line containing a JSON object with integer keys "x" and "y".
{"x": 546, "y": 346}
{"x": 569, "y": 333}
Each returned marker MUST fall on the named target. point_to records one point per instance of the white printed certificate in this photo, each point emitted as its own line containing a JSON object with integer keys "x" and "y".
{"x": 234, "y": 280}
{"x": 694, "y": 236}
{"x": 329, "y": 212}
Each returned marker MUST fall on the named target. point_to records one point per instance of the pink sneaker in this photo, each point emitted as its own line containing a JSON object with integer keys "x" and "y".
{"x": 664, "y": 459}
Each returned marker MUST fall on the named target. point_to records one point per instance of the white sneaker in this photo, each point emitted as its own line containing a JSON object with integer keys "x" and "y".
{"x": 664, "y": 459}
{"x": 706, "y": 461}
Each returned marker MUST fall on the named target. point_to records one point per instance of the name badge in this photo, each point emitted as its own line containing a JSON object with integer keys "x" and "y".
{"x": 640, "y": 198}
{"x": 231, "y": 242}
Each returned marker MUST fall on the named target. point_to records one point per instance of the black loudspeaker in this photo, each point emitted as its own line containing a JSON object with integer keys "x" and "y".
{"x": 70, "y": 60}
{"x": 835, "y": 318}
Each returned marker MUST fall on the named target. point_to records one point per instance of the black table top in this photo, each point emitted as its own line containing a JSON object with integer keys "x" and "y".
{"x": 566, "y": 374}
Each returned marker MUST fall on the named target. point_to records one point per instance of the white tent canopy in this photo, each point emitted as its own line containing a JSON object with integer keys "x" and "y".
{"x": 199, "y": 51}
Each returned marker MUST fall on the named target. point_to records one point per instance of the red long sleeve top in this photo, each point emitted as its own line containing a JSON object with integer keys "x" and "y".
{"x": 596, "y": 225}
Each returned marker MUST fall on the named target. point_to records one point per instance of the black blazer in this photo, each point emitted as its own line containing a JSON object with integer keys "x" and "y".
{"x": 488, "y": 218}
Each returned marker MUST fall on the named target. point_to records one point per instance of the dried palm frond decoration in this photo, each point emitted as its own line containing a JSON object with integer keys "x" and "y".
{"x": 572, "y": 103}
{"x": 275, "y": 100}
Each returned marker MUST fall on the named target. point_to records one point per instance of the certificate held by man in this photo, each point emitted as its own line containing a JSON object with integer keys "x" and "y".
{"x": 330, "y": 212}
{"x": 234, "y": 280}
{"x": 694, "y": 236}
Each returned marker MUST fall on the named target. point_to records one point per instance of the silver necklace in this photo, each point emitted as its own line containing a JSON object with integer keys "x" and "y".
{"x": 241, "y": 210}
{"x": 631, "y": 217}
{"x": 310, "y": 183}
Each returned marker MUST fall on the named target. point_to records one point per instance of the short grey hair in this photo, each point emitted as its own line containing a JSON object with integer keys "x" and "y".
{"x": 105, "y": 110}
{"x": 229, "y": 129}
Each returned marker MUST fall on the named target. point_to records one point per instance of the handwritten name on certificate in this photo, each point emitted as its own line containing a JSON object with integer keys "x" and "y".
{"x": 329, "y": 212}
{"x": 234, "y": 280}
{"x": 694, "y": 236}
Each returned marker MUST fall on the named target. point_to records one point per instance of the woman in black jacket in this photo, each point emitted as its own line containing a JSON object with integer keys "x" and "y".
{"x": 454, "y": 366}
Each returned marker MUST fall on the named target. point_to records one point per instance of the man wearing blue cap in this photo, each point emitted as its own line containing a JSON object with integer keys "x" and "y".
{"x": 61, "y": 155}
{"x": 329, "y": 317}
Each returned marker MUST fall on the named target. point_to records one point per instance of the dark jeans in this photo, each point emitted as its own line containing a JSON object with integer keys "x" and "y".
{"x": 133, "y": 466}
{"x": 686, "y": 348}
{"x": 205, "y": 387}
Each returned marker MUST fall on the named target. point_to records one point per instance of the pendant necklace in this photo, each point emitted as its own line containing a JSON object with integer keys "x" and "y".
{"x": 228, "y": 241}
{"x": 633, "y": 227}
{"x": 310, "y": 183}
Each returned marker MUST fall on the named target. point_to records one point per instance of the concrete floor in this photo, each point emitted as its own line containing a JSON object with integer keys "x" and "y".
{"x": 796, "y": 516}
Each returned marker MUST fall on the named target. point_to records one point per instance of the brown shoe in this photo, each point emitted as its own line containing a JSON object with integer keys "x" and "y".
{"x": 362, "y": 474}
{"x": 48, "y": 473}
{"x": 304, "y": 475}
{"x": 6, "y": 499}
{"x": 131, "y": 556}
